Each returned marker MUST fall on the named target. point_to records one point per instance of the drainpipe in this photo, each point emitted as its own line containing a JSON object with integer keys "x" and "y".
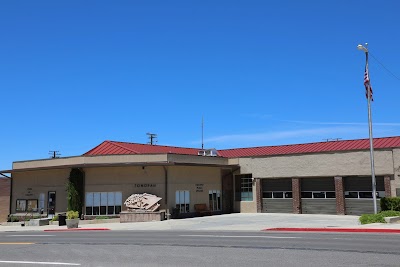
{"x": 166, "y": 190}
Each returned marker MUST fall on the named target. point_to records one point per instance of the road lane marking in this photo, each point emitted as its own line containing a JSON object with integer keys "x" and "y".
{"x": 16, "y": 243}
{"x": 29, "y": 235}
{"x": 41, "y": 262}
{"x": 241, "y": 236}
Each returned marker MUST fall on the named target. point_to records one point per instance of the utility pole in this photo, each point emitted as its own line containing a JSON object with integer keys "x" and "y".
{"x": 54, "y": 154}
{"x": 152, "y": 138}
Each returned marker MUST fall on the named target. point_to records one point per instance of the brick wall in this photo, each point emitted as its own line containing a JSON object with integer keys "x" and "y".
{"x": 340, "y": 199}
{"x": 5, "y": 188}
{"x": 296, "y": 194}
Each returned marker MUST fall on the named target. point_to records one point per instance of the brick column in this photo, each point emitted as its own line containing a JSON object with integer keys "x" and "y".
{"x": 339, "y": 193}
{"x": 296, "y": 194}
{"x": 388, "y": 189}
{"x": 258, "y": 189}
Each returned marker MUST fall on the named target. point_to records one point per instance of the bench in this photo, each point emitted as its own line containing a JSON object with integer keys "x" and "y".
{"x": 202, "y": 209}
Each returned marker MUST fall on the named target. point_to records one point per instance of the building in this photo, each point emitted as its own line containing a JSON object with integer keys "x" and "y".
{"x": 326, "y": 177}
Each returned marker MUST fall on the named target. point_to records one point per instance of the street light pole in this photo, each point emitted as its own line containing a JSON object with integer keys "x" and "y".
{"x": 371, "y": 143}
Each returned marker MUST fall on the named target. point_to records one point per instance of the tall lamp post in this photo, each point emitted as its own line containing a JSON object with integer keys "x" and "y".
{"x": 371, "y": 143}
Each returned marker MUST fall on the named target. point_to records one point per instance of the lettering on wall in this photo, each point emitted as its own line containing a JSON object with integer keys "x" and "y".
{"x": 29, "y": 192}
{"x": 199, "y": 187}
{"x": 145, "y": 185}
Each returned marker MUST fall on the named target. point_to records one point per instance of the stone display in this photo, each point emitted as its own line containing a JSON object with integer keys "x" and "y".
{"x": 142, "y": 202}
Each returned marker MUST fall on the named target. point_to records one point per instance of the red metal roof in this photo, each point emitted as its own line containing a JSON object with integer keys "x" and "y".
{"x": 331, "y": 146}
{"x": 123, "y": 148}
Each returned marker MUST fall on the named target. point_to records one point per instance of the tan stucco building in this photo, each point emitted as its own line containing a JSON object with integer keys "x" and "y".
{"x": 326, "y": 177}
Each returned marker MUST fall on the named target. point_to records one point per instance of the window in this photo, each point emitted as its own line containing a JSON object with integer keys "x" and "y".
{"x": 182, "y": 201}
{"x": 243, "y": 187}
{"x": 29, "y": 205}
{"x": 363, "y": 194}
{"x": 246, "y": 187}
{"x": 267, "y": 194}
{"x": 214, "y": 197}
{"x": 21, "y": 205}
{"x": 318, "y": 194}
{"x": 103, "y": 203}
{"x": 32, "y": 205}
{"x": 41, "y": 202}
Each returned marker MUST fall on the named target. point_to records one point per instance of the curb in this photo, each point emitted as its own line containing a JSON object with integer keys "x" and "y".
{"x": 77, "y": 229}
{"x": 335, "y": 230}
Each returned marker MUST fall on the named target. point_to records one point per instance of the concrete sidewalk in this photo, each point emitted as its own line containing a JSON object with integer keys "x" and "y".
{"x": 228, "y": 222}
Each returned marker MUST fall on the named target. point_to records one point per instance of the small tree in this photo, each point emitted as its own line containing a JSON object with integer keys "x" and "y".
{"x": 75, "y": 190}
{"x": 74, "y": 200}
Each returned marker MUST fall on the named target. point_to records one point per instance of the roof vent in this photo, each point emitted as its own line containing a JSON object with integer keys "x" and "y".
{"x": 208, "y": 152}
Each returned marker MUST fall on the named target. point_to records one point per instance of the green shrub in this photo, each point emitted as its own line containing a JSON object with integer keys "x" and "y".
{"x": 55, "y": 219}
{"x": 372, "y": 218}
{"x": 390, "y": 213}
{"x": 390, "y": 203}
{"x": 12, "y": 219}
{"x": 71, "y": 214}
{"x": 102, "y": 217}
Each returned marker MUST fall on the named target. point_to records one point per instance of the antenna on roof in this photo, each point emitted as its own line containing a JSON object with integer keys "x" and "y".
{"x": 202, "y": 132}
{"x": 152, "y": 138}
{"x": 54, "y": 154}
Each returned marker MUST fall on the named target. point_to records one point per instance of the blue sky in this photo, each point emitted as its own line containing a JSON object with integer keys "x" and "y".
{"x": 76, "y": 73}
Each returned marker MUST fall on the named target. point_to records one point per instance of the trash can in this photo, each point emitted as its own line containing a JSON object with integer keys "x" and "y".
{"x": 61, "y": 219}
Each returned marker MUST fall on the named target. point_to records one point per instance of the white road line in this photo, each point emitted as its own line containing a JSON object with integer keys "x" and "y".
{"x": 241, "y": 236}
{"x": 29, "y": 235}
{"x": 41, "y": 262}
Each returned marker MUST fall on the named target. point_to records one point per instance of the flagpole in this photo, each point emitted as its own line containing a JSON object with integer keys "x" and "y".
{"x": 371, "y": 143}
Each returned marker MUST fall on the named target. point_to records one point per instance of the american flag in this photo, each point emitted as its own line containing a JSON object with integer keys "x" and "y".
{"x": 367, "y": 83}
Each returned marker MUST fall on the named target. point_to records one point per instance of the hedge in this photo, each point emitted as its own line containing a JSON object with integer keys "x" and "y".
{"x": 390, "y": 203}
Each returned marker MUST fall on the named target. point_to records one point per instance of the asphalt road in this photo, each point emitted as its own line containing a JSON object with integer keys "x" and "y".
{"x": 183, "y": 248}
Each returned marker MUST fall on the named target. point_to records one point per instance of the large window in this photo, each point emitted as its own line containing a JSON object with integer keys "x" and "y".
{"x": 318, "y": 194}
{"x": 363, "y": 194}
{"x": 182, "y": 201}
{"x": 275, "y": 194}
{"x": 21, "y": 205}
{"x": 214, "y": 197}
{"x": 103, "y": 203}
{"x": 29, "y": 205}
{"x": 244, "y": 187}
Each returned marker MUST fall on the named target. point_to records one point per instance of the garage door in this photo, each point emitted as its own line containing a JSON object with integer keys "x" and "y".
{"x": 277, "y": 196}
{"x": 358, "y": 194}
{"x": 318, "y": 196}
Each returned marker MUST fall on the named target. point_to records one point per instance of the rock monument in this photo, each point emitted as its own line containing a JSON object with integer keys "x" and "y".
{"x": 142, "y": 208}
{"x": 142, "y": 202}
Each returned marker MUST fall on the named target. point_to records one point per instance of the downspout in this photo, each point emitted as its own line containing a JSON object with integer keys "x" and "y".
{"x": 166, "y": 191}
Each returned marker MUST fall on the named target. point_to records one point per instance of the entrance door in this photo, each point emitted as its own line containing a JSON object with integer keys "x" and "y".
{"x": 51, "y": 202}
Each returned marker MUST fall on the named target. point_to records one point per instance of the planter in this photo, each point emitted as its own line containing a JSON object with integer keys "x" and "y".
{"x": 72, "y": 223}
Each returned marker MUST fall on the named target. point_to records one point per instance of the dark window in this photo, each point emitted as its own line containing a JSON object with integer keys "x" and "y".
{"x": 117, "y": 209}
{"x": 110, "y": 210}
{"x": 267, "y": 194}
{"x": 351, "y": 195}
{"x": 330, "y": 195}
{"x": 306, "y": 194}
{"x": 318, "y": 194}
{"x": 365, "y": 194}
{"x": 89, "y": 210}
{"x": 278, "y": 194}
{"x": 288, "y": 195}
